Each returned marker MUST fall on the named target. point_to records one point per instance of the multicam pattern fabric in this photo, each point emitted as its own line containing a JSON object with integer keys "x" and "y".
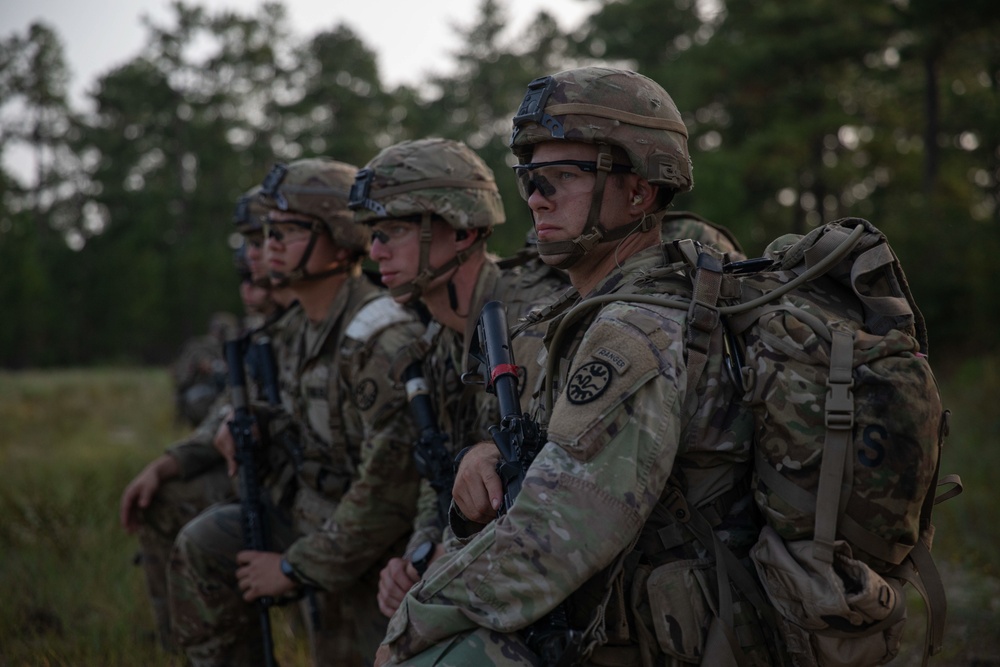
{"x": 203, "y": 481}
{"x": 591, "y": 494}
{"x": 897, "y": 409}
{"x": 176, "y": 502}
{"x": 196, "y": 453}
{"x": 199, "y": 378}
{"x": 616, "y": 107}
{"x": 356, "y": 487}
{"x": 318, "y": 187}
{"x": 466, "y": 411}
{"x": 687, "y": 225}
{"x": 426, "y": 176}
{"x": 850, "y": 427}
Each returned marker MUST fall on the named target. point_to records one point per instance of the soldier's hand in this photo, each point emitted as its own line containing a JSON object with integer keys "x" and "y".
{"x": 396, "y": 578}
{"x": 260, "y": 575}
{"x": 223, "y": 442}
{"x": 478, "y": 491}
{"x": 140, "y": 491}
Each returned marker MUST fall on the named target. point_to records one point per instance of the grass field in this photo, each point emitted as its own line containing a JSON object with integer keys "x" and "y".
{"x": 70, "y": 440}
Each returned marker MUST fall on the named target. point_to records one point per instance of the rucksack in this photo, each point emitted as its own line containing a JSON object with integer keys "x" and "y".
{"x": 830, "y": 348}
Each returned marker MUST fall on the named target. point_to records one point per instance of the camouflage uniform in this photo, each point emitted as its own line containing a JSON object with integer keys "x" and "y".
{"x": 355, "y": 497}
{"x": 200, "y": 371}
{"x": 624, "y": 422}
{"x": 642, "y": 432}
{"x": 467, "y": 411}
{"x": 203, "y": 481}
{"x": 443, "y": 179}
{"x": 687, "y": 225}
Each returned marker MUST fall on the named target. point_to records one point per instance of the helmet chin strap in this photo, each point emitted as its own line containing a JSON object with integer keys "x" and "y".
{"x": 593, "y": 231}
{"x": 425, "y": 272}
{"x": 299, "y": 273}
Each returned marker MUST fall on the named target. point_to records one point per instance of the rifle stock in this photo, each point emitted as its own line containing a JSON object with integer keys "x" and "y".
{"x": 251, "y": 508}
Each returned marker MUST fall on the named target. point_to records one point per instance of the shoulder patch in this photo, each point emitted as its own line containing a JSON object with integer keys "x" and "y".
{"x": 589, "y": 382}
{"x": 617, "y": 361}
{"x": 376, "y": 315}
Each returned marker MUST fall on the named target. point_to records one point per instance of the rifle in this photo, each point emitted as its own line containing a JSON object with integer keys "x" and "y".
{"x": 263, "y": 369}
{"x": 519, "y": 438}
{"x": 432, "y": 458}
{"x": 251, "y": 508}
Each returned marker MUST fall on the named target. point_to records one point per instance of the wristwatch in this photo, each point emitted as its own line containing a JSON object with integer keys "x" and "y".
{"x": 459, "y": 457}
{"x": 286, "y": 569}
{"x": 421, "y": 557}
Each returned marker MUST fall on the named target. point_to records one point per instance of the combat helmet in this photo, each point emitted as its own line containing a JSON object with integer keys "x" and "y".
{"x": 318, "y": 189}
{"x": 242, "y": 264}
{"x": 250, "y": 212}
{"x": 249, "y": 218}
{"x": 425, "y": 179}
{"x": 615, "y": 110}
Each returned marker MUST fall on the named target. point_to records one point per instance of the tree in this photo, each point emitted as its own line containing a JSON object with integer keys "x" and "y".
{"x": 42, "y": 216}
{"x": 475, "y": 104}
{"x": 181, "y": 134}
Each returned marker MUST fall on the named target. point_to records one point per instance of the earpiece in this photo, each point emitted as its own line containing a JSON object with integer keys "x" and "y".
{"x": 637, "y": 199}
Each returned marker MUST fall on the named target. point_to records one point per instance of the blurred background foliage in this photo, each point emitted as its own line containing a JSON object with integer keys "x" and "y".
{"x": 118, "y": 247}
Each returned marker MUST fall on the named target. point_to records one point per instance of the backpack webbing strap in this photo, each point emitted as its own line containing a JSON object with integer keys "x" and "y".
{"x": 672, "y": 534}
{"x": 955, "y": 490}
{"x": 727, "y": 568}
{"x": 818, "y": 269}
{"x": 805, "y": 502}
{"x": 919, "y": 568}
{"x": 836, "y": 470}
{"x": 703, "y": 313}
{"x": 920, "y": 571}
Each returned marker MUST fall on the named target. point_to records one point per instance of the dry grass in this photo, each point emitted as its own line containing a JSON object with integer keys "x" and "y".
{"x": 70, "y": 440}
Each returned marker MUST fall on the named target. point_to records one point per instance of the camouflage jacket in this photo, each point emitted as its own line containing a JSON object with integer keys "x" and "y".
{"x": 199, "y": 376}
{"x": 357, "y": 483}
{"x": 465, "y": 412}
{"x": 197, "y": 452}
{"x": 623, "y": 424}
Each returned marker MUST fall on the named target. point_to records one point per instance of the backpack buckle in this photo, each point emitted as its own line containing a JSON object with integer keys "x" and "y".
{"x": 839, "y": 405}
{"x": 839, "y": 400}
{"x": 677, "y": 504}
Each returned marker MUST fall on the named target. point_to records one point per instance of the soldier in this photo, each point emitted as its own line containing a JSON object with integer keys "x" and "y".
{"x": 191, "y": 475}
{"x": 356, "y": 486}
{"x": 199, "y": 373}
{"x": 431, "y": 205}
{"x": 636, "y": 436}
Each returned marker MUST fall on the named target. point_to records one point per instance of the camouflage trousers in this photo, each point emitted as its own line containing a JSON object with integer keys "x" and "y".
{"x": 216, "y": 627}
{"x": 176, "y": 502}
{"x": 481, "y": 647}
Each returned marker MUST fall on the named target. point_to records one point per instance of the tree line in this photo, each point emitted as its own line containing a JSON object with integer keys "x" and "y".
{"x": 119, "y": 245}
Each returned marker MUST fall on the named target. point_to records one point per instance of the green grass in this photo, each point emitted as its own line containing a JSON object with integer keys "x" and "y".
{"x": 69, "y": 443}
{"x": 71, "y": 440}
